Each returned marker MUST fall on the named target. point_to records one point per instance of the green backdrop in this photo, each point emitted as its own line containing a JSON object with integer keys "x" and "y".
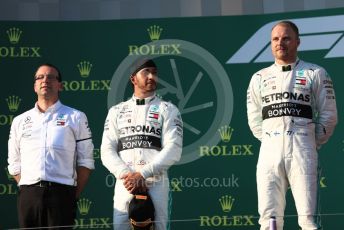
{"x": 205, "y": 65}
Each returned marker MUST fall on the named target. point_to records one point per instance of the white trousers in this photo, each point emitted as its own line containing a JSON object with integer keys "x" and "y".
{"x": 159, "y": 193}
{"x": 276, "y": 171}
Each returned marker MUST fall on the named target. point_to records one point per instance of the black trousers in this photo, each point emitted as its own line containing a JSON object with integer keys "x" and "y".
{"x": 46, "y": 204}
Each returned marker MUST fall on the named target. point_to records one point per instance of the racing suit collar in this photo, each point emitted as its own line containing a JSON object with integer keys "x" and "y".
{"x": 52, "y": 108}
{"x": 289, "y": 67}
{"x": 143, "y": 101}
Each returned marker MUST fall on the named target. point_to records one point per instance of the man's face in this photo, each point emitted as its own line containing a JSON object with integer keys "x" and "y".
{"x": 284, "y": 43}
{"x": 145, "y": 80}
{"x": 46, "y": 84}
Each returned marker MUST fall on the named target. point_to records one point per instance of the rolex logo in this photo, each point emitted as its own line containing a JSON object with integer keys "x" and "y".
{"x": 13, "y": 103}
{"x": 226, "y": 133}
{"x": 154, "y": 32}
{"x": 9, "y": 176}
{"x": 84, "y": 68}
{"x": 14, "y": 35}
{"x": 226, "y": 203}
{"x": 84, "y": 206}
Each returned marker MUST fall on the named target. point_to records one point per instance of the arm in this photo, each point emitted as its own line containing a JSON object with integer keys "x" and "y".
{"x": 254, "y": 107}
{"x": 14, "y": 162}
{"x": 17, "y": 178}
{"x": 109, "y": 154}
{"x": 172, "y": 143}
{"x": 83, "y": 174}
{"x": 84, "y": 149}
{"x": 325, "y": 107}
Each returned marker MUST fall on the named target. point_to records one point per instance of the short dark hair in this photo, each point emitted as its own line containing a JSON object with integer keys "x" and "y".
{"x": 59, "y": 76}
{"x": 290, "y": 24}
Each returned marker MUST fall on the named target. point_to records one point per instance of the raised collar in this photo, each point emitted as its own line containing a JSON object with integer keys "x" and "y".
{"x": 286, "y": 68}
{"x": 143, "y": 101}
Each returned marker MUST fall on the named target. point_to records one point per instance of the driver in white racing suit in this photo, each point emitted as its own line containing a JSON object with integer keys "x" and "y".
{"x": 142, "y": 138}
{"x": 291, "y": 109}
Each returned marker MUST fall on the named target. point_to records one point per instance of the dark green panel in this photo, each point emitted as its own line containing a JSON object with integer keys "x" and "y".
{"x": 214, "y": 185}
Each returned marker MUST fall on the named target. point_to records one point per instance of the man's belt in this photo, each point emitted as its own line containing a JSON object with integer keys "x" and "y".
{"x": 46, "y": 184}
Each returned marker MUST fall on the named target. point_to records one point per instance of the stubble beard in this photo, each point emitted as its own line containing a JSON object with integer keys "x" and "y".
{"x": 151, "y": 86}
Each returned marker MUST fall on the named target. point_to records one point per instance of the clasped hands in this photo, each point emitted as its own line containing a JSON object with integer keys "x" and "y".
{"x": 134, "y": 182}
